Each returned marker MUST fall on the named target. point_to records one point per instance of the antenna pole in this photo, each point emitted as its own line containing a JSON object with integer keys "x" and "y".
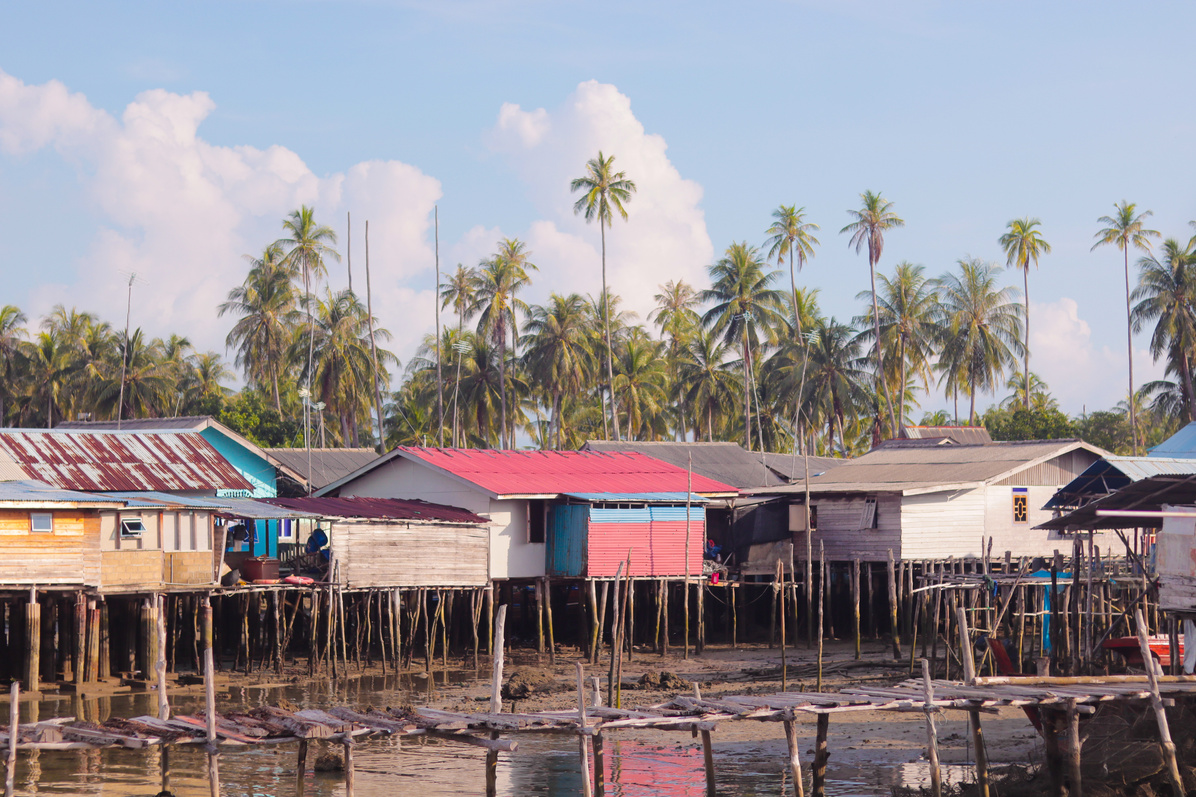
{"x": 124, "y": 358}
{"x": 439, "y": 374}
{"x": 369, "y": 301}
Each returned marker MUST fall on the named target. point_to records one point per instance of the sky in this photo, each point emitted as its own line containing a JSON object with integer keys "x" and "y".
{"x": 170, "y": 140}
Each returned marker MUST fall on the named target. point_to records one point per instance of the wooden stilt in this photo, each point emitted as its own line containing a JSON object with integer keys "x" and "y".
{"x": 601, "y": 627}
{"x": 708, "y": 757}
{"x": 548, "y": 617}
{"x": 733, "y": 590}
{"x": 164, "y": 767}
{"x": 821, "y": 607}
{"x": 656, "y": 640}
{"x": 500, "y": 626}
{"x": 893, "y": 628}
{"x": 348, "y": 744}
{"x": 630, "y": 611}
{"x": 779, "y": 590}
{"x": 584, "y": 750}
{"x": 1075, "y": 784}
{"x": 80, "y": 636}
{"x": 160, "y": 664}
{"x": 595, "y": 621}
{"x": 599, "y": 766}
{"x": 33, "y": 642}
{"x": 821, "y": 754}
{"x": 14, "y": 726}
{"x": 932, "y": 739}
{"x": 664, "y": 631}
{"x": 301, "y": 766}
{"x": 209, "y": 688}
{"x": 855, "y": 603}
{"x": 700, "y": 648}
{"x": 1156, "y": 703}
{"x": 799, "y": 787}
{"x": 538, "y": 592}
{"x": 969, "y": 674}
{"x": 1054, "y": 757}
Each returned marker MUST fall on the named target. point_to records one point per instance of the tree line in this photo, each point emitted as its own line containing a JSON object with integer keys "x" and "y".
{"x": 748, "y": 357}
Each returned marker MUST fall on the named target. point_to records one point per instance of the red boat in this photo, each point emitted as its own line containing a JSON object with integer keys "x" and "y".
{"x": 1131, "y": 651}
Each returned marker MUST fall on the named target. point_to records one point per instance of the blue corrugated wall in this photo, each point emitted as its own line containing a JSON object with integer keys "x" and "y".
{"x": 567, "y": 526}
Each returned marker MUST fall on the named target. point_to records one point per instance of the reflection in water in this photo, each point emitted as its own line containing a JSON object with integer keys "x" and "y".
{"x": 543, "y": 765}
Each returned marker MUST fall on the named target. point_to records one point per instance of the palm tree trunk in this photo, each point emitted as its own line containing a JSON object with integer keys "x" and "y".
{"x": 747, "y": 407}
{"x": 901, "y": 389}
{"x": 793, "y": 287}
{"x": 556, "y": 416}
{"x": 1186, "y": 372}
{"x": 1129, "y": 339}
{"x": 610, "y": 355}
{"x": 277, "y": 398}
{"x": 972, "y": 408}
{"x": 1026, "y": 385}
{"x": 876, "y": 329}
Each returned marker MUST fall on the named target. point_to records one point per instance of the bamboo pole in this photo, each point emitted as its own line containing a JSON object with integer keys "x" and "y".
{"x": 932, "y": 739}
{"x": 1156, "y": 703}
{"x": 969, "y": 674}
{"x": 586, "y": 789}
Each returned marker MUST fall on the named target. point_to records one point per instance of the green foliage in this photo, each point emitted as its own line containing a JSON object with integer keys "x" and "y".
{"x": 250, "y": 414}
{"x": 1036, "y": 423}
{"x": 1108, "y": 429}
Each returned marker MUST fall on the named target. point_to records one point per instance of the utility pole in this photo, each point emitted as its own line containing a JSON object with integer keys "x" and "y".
{"x": 439, "y": 375}
{"x": 124, "y": 358}
{"x": 369, "y": 308}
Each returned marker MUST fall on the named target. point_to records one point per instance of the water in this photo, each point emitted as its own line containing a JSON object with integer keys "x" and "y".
{"x": 647, "y": 764}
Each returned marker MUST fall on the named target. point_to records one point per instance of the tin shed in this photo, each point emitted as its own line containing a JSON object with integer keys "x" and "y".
{"x": 590, "y": 536}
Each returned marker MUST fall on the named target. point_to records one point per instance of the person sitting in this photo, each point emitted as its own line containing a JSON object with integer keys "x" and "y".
{"x": 713, "y": 551}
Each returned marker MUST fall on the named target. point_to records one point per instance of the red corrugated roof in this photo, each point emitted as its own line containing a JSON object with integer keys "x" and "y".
{"x": 506, "y": 472}
{"x": 380, "y": 508}
{"x": 119, "y": 461}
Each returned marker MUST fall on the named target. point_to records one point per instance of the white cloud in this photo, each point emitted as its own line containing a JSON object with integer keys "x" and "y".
{"x": 1081, "y": 375}
{"x": 665, "y": 235}
{"x": 180, "y": 211}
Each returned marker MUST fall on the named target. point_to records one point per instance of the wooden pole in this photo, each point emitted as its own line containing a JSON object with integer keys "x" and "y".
{"x": 595, "y": 621}
{"x": 615, "y": 642}
{"x": 601, "y": 625}
{"x": 893, "y": 608}
{"x": 818, "y": 777}
{"x": 301, "y": 765}
{"x": 1156, "y": 703}
{"x": 160, "y": 614}
{"x": 1074, "y": 742}
{"x": 708, "y": 757}
{"x": 855, "y": 603}
{"x": 547, "y": 591}
{"x": 584, "y": 749}
{"x": 821, "y": 607}
{"x": 348, "y": 743}
{"x": 14, "y": 733}
{"x": 33, "y": 641}
{"x": 630, "y": 612}
{"x": 932, "y": 739}
{"x": 500, "y": 626}
{"x": 779, "y": 591}
{"x": 799, "y": 787}
{"x": 969, "y": 674}
{"x": 599, "y": 765}
{"x": 209, "y": 689}
{"x": 689, "y": 486}
{"x": 538, "y": 592}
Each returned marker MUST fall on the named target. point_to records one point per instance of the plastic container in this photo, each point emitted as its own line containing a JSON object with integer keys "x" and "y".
{"x": 259, "y": 568}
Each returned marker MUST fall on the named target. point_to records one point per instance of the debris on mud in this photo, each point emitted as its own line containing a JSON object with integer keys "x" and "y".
{"x": 529, "y": 681}
{"x": 665, "y": 681}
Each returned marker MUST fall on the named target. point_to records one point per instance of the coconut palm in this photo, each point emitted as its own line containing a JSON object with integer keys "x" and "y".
{"x": 677, "y": 317}
{"x": 48, "y": 367}
{"x": 791, "y": 236}
{"x": 1166, "y": 295}
{"x": 1040, "y": 393}
{"x": 1023, "y": 244}
{"x": 457, "y": 292}
{"x": 558, "y": 354}
{"x": 498, "y": 281}
{"x": 604, "y": 191}
{"x": 266, "y": 318}
{"x": 868, "y": 227}
{"x": 148, "y": 380}
{"x": 908, "y": 322}
{"x": 640, "y": 386}
{"x": 708, "y": 388}
{"x": 980, "y": 324}
{"x": 1124, "y": 229}
{"x": 836, "y": 378}
{"x": 12, "y": 337}
{"x": 746, "y": 309}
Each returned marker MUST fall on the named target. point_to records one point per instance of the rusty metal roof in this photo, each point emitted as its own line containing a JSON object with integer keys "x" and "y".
{"x": 114, "y": 461}
{"x": 378, "y": 508}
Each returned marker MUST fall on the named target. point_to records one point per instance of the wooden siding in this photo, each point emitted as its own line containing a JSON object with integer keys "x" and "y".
{"x": 68, "y": 555}
{"x": 410, "y": 555}
{"x": 938, "y": 525}
{"x": 838, "y": 528}
{"x": 1054, "y": 472}
{"x": 655, "y": 538}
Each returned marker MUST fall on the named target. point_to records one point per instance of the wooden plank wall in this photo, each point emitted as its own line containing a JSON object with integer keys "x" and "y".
{"x": 411, "y": 555}
{"x": 838, "y": 527}
{"x": 68, "y": 555}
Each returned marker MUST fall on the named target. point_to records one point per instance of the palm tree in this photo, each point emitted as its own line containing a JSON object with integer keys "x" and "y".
{"x": 1040, "y": 393}
{"x": 868, "y": 227}
{"x": 790, "y": 235}
{"x": 265, "y": 306}
{"x": 498, "y": 281}
{"x": 677, "y": 317}
{"x": 908, "y": 322}
{"x": 707, "y": 386}
{"x": 746, "y": 308}
{"x": 1126, "y": 228}
{"x": 836, "y": 378}
{"x": 640, "y": 385}
{"x": 1024, "y": 243}
{"x": 457, "y": 292}
{"x": 306, "y": 248}
{"x": 980, "y": 327}
{"x": 558, "y": 354}
{"x": 1166, "y": 295}
{"x": 12, "y": 336}
{"x": 48, "y": 368}
{"x": 604, "y": 190}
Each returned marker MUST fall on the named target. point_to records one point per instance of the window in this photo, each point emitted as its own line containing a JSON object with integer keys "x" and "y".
{"x": 131, "y": 527}
{"x": 41, "y": 522}
{"x": 537, "y": 512}
{"x": 869, "y": 520}
{"x": 1021, "y": 505}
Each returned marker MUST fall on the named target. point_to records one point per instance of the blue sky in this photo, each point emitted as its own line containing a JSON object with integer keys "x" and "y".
{"x": 169, "y": 139}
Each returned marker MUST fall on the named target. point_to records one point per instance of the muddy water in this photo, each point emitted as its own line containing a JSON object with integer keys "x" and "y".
{"x": 670, "y": 765}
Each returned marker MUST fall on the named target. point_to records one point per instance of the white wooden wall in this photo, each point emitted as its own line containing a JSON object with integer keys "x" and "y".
{"x": 511, "y": 556}
{"x": 410, "y": 555}
{"x": 839, "y": 521}
{"x": 939, "y": 525}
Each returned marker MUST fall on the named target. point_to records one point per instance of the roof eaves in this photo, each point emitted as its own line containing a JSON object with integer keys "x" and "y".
{"x": 1068, "y": 447}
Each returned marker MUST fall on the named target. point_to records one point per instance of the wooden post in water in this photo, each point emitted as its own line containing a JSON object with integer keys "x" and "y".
{"x": 616, "y": 648}
{"x": 799, "y": 787}
{"x": 893, "y": 608}
{"x": 209, "y": 689}
{"x": 500, "y": 626}
{"x": 821, "y": 607}
{"x": 301, "y": 766}
{"x": 969, "y": 674}
{"x": 14, "y": 732}
{"x": 600, "y": 625}
{"x": 347, "y": 741}
{"x": 160, "y": 664}
{"x": 818, "y": 774}
{"x": 1156, "y": 703}
{"x": 584, "y": 749}
{"x": 599, "y": 765}
{"x": 708, "y": 758}
{"x": 855, "y": 602}
{"x": 33, "y": 641}
{"x": 548, "y": 612}
{"x": 1075, "y": 788}
{"x": 779, "y": 592}
{"x": 538, "y": 592}
{"x": 932, "y": 739}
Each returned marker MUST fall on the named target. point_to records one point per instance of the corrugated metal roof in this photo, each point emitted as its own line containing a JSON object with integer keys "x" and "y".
{"x": 792, "y": 468}
{"x": 154, "y": 498}
{"x": 1181, "y": 445}
{"x": 109, "y": 461}
{"x": 899, "y": 469}
{"x": 327, "y": 464}
{"x": 508, "y": 472}
{"x": 28, "y": 491}
{"x": 378, "y": 508}
{"x": 644, "y": 498}
{"x": 1113, "y": 473}
{"x": 968, "y": 435}
{"x": 728, "y": 463}
{"x": 177, "y": 423}
{"x": 254, "y": 509}
{"x": 1149, "y": 494}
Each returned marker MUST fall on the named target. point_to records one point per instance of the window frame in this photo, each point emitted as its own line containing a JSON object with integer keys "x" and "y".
{"x": 1021, "y": 494}
{"x": 131, "y": 534}
{"x": 871, "y": 517}
{"x": 537, "y": 508}
{"x": 33, "y": 518}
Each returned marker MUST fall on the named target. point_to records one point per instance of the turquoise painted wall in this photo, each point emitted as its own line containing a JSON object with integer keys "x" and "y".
{"x": 257, "y": 471}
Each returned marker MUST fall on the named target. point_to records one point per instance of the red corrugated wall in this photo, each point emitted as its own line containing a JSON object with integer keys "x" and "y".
{"x": 657, "y": 548}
